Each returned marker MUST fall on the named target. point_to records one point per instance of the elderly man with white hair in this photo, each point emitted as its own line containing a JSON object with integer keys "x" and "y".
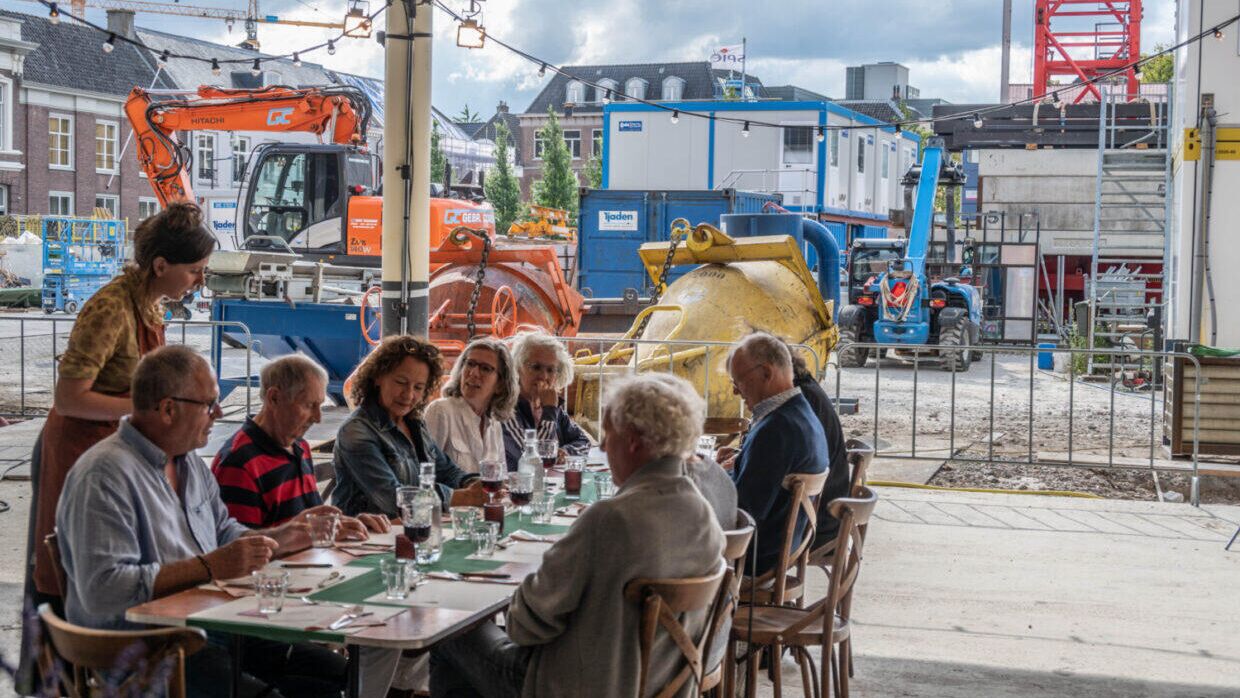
{"x": 570, "y": 632}
{"x": 544, "y": 368}
{"x": 784, "y": 437}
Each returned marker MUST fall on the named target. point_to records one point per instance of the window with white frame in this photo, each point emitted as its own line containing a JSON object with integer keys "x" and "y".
{"x": 635, "y": 88}
{"x": 596, "y": 149}
{"x": 107, "y": 136}
{"x": 60, "y": 203}
{"x": 110, "y": 203}
{"x": 833, "y": 145}
{"x": 204, "y": 157}
{"x": 147, "y": 207}
{"x": 4, "y": 199}
{"x": 673, "y": 89}
{"x": 539, "y": 144}
{"x": 860, "y": 154}
{"x": 572, "y": 138}
{"x": 575, "y": 93}
{"x": 606, "y": 87}
{"x": 6, "y": 114}
{"x": 886, "y": 161}
{"x": 240, "y": 154}
{"x": 798, "y": 145}
{"x": 60, "y": 141}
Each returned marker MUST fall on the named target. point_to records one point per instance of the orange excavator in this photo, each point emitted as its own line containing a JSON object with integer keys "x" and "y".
{"x": 320, "y": 199}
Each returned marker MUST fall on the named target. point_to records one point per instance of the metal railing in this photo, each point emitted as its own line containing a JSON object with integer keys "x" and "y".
{"x": 52, "y": 358}
{"x": 791, "y": 182}
{"x": 903, "y": 443}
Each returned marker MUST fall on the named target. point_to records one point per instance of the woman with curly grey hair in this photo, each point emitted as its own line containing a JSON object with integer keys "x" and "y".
{"x": 382, "y": 444}
{"x": 479, "y": 397}
{"x": 544, "y": 368}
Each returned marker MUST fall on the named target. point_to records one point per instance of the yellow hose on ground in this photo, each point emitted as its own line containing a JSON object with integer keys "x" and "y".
{"x": 1048, "y": 493}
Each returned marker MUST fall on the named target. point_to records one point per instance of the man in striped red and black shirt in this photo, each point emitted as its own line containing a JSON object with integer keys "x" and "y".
{"x": 265, "y": 471}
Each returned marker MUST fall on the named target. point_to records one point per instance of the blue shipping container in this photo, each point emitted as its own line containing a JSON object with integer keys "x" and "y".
{"x": 614, "y": 224}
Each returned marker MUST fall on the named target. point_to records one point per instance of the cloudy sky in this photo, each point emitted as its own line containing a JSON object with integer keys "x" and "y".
{"x": 951, "y": 48}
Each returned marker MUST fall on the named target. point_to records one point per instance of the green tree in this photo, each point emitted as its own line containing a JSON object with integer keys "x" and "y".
{"x": 439, "y": 160}
{"x": 558, "y": 186}
{"x": 593, "y": 173}
{"x": 467, "y": 115}
{"x": 501, "y": 186}
{"x": 1160, "y": 68}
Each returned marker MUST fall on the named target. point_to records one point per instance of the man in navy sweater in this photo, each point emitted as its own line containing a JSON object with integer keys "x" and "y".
{"x": 784, "y": 437}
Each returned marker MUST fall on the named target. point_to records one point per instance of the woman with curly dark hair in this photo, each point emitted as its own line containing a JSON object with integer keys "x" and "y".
{"x": 119, "y": 324}
{"x": 385, "y": 440}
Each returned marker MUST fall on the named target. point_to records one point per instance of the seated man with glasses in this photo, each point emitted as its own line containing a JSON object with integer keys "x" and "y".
{"x": 141, "y": 518}
{"x": 784, "y": 437}
{"x": 544, "y": 368}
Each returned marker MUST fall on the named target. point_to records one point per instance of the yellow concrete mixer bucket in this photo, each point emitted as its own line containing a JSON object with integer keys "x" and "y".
{"x": 743, "y": 285}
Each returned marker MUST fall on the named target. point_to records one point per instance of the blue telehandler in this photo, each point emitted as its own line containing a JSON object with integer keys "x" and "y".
{"x": 900, "y": 306}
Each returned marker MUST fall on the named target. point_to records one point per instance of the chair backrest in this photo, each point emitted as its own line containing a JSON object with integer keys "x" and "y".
{"x": 325, "y": 471}
{"x": 860, "y": 453}
{"x": 736, "y": 542}
{"x": 805, "y": 488}
{"x": 664, "y": 602}
{"x": 854, "y": 515}
{"x": 142, "y": 657}
{"x": 58, "y": 567}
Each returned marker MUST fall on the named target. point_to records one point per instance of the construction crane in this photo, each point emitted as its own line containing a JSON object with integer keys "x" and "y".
{"x": 356, "y": 22}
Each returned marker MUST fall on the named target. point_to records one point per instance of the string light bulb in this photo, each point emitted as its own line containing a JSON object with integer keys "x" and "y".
{"x": 109, "y": 44}
{"x": 822, "y": 134}
{"x": 977, "y": 120}
{"x": 296, "y": 60}
{"x": 215, "y": 67}
{"x": 53, "y": 14}
{"x": 163, "y": 60}
{"x": 331, "y": 47}
{"x": 542, "y": 70}
{"x": 1218, "y": 33}
{"x": 675, "y": 116}
{"x": 256, "y": 69}
{"x": 745, "y": 130}
{"x": 899, "y": 127}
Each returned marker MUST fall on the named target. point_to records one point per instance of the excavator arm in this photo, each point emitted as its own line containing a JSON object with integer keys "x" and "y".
{"x": 339, "y": 114}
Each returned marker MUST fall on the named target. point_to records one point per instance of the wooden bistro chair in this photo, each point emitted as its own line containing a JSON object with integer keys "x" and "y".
{"x": 824, "y": 624}
{"x": 82, "y": 662}
{"x": 664, "y": 602}
{"x": 785, "y": 583}
{"x": 860, "y": 453}
{"x": 736, "y": 542}
{"x": 58, "y": 569}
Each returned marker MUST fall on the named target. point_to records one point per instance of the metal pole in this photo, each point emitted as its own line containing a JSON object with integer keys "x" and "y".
{"x": 406, "y": 175}
{"x": 744, "y": 50}
{"x": 1005, "y": 62}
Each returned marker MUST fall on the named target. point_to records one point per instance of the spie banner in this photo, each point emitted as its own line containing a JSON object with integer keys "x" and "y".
{"x": 728, "y": 57}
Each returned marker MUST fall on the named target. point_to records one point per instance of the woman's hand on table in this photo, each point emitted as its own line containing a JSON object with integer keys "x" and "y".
{"x": 472, "y": 495}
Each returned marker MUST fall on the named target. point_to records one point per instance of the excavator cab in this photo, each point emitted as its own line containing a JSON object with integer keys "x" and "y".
{"x": 319, "y": 199}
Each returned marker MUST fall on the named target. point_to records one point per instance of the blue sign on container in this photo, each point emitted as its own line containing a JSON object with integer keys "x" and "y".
{"x": 631, "y": 126}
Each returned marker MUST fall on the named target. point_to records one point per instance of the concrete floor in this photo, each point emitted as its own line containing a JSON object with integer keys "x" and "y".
{"x": 993, "y": 596}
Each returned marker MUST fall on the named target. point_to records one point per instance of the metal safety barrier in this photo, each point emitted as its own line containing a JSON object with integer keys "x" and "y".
{"x": 52, "y": 358}
{"x": 909, "y": 376}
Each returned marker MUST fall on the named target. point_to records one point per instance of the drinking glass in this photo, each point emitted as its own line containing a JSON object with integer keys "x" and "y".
{"x": 463, "y": 519}
{"x": 521, "y": 491}
{"x": 486, "y": 535}
{"x": 549, "y": 451}
{"x": 544, "y": 509}
{"x": 492, "y": 474}
{"x": 405, "y": 496}
{"x": 604, "y": 486}
{"x": 269, "y": 589}
{"x": 573, "y": 471}
{"x": 395, "y": 577}
{"x": 416, "y": 519}
{"x": 323, "y": 529}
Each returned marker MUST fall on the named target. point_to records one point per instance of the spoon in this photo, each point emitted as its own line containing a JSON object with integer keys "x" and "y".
{"x": 330, "y": 578}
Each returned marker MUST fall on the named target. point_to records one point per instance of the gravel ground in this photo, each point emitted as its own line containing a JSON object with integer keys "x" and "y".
{"x": 1034, "y": 412}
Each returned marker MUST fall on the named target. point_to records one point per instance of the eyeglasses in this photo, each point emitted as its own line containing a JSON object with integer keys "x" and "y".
{"x": 746, "y": 372}
{"x": 484, "y": 369}
{"x": 211, "y": 405}
{"x": 542, "y": 368}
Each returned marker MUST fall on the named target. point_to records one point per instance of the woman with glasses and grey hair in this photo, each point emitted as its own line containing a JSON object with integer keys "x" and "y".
{"x": 544, "y": 369}
{"x": 479, "y": 397}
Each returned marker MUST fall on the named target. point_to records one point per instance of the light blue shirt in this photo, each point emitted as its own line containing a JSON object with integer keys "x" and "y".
{"x": 119, "y": 521}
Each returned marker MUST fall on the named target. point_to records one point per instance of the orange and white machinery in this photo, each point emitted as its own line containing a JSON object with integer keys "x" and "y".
{"x": 319, "y": 200}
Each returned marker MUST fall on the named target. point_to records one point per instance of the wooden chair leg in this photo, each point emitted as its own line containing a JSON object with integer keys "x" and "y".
{"x": 843, "y": 692}
{"x": 829, "y": 658}
{"x": 807, "y": 687}
{"x": 729, "y": 670}
{"x": 176, "y": 682}
{"x": 775, "y": 667}
{"x": 751, "y": 678}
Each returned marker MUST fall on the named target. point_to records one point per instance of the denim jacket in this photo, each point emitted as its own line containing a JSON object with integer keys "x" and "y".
{"x": 372, "y": 458}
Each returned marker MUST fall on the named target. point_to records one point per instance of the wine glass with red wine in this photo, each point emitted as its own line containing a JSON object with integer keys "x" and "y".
{"x": 492, "y": 473}
{"x": 416, "y": 518}
{"x": 521, "y": 490}
{"x": 549, "y": 451}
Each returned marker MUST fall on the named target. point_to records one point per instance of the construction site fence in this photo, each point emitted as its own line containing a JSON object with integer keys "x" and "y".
{"x": 1084, "y": 446}
{"x": 32, "y": 360}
